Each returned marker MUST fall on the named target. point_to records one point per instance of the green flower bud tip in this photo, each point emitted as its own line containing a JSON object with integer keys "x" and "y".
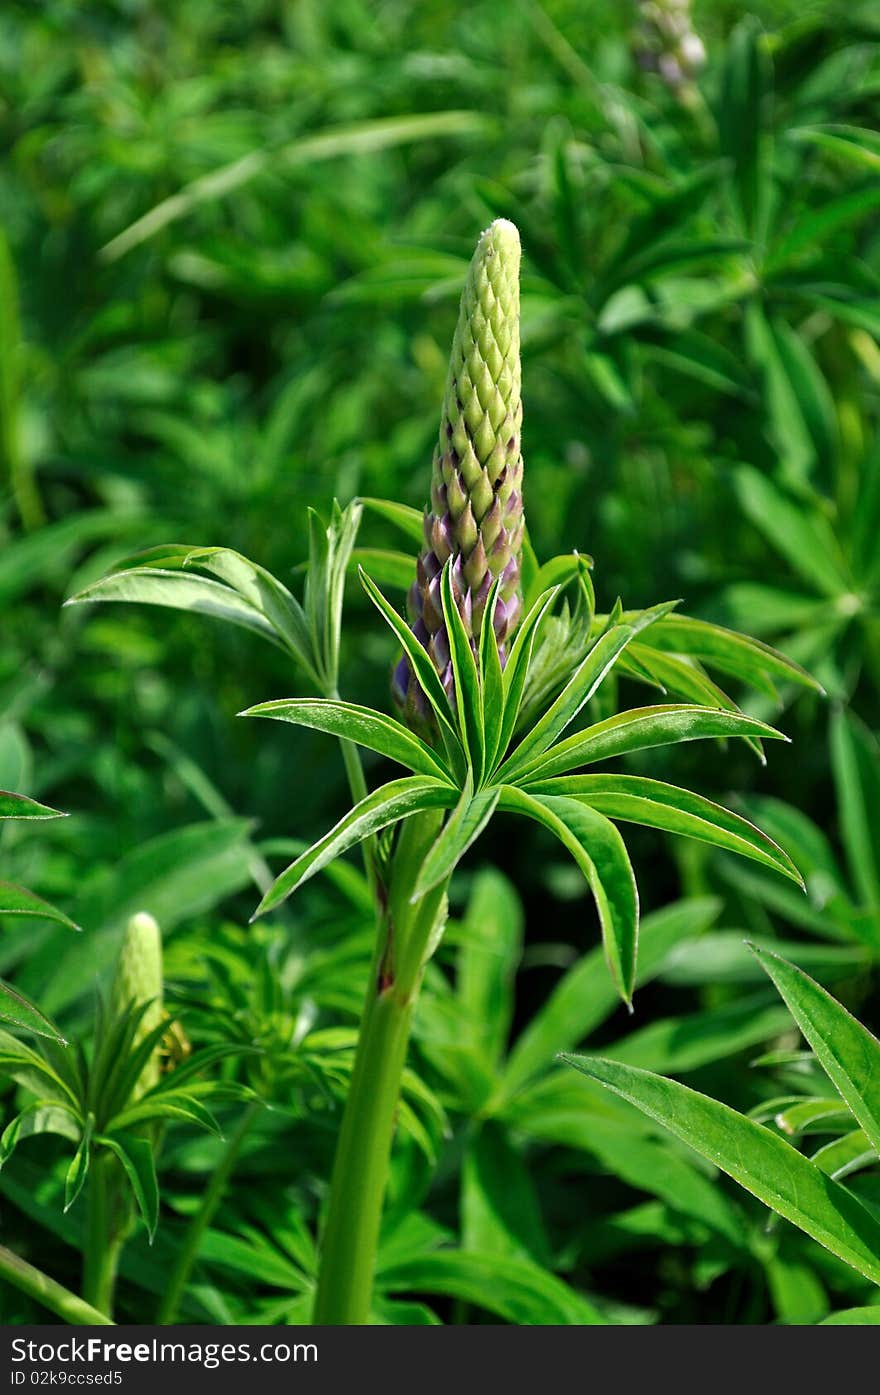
{"x": 475, "y": 516}
{"x": 138, "y": 979}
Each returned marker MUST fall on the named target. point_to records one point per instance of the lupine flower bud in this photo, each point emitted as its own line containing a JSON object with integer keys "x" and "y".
{"x": 667, "y": 43}
{"x": 475, "y": 517}
{"x": 138, "y": 979}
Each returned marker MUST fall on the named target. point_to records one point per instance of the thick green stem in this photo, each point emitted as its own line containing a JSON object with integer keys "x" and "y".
{"x": 189, "y": 1250}
{"x": 351, "y": 1232}
{"x": 104, "y": 1235}
{"x": 54, "y": 1296}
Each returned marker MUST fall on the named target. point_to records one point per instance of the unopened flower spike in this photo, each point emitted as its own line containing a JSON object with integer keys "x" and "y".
{"x": 475, "y": 517}
{"x": 138, "y": 980}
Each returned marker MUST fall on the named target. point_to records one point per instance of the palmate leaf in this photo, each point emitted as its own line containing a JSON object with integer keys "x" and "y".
{"x": 638, "y": 729}
{"x": 387, "y": 805}
{"x": 599, "y": 852}
{"x": 374, "y": 730}
{"x": 848, "y": 1053}
{"x": 578, "y": 691}
{"x": 655, "y": 804}
{"x": 759, "y": 1160}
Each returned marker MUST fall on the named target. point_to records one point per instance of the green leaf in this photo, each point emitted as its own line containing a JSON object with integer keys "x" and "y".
{"x": 491, "y": 945}
{"x": 15, "y": 900}
{"x": 463, "y": 827}
{"x": 25, "y": 1015}
{"x": 178, "y": 591}
{"x": 265, "y": 593}
{"x": 857, "y": 145}
{"x": 177, "y": 874}
{"x": 584, "y": 997}
{"x": 18, "y": 806}
{"x": 747, "y": 659}
{"x": 389, "y": 804}
{"x": 513, "y": 1288}
{"x": 491, "y": 682}
{"x": 41, "y": 1117}
{"x": 363, "y": 725}
{"x": 685, "y": 1043}
{"x": 846, "y": 1051}
{"x": 136, "y": 1156}
{"x": 500, "y": 1207}
{"x": 638, "y": 729}
{"x": 810, "y": 227}
{"x": 410, "y": 521}
{"x": 797, "y": 530}
{"x": 518, "y": 662}
{"x": 853, "y": 1317}
{"x": 32, "y": 1070}
{"x": 424, "y": 670}
{"x": 79, "y": 1166}
{"x": 468, "y": 701}
{"x": 757, "y": 1159}
{"x": 655, "y": 804}
{"x": 578, "y": 691}
{"x": 843, "y": 1156}
{"x": 388, "y": 568}
{"x": 855, "y": 762}
{"x": 723, "y": 957}
{"x": 599, "y": 852}
{"x": 745, "y": 81}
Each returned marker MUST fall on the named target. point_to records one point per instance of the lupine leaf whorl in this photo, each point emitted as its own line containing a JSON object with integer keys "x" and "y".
{"x": 138, "y": 979}
{"x": 475, "y": 517}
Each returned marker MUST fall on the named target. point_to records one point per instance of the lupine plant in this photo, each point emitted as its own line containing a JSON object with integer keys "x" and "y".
{"x": 112, "y": 1105}
{"x": 500, "y": 657}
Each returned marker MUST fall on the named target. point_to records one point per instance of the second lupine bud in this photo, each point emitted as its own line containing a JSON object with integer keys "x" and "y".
{"x": 138, "y": 980}
{"x": 475, "y": 517}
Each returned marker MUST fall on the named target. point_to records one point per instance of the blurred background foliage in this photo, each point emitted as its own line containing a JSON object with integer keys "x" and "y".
{"x": 232, "y": 239}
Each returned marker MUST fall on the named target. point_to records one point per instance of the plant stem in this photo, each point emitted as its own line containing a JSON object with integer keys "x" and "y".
{"x": 357, "y": 784}
{"x": 406, "y": 935}
{"x": 104, "y": 1235}
{"x": 189, "y": 1250}
{"x": 52, "y": 1295}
